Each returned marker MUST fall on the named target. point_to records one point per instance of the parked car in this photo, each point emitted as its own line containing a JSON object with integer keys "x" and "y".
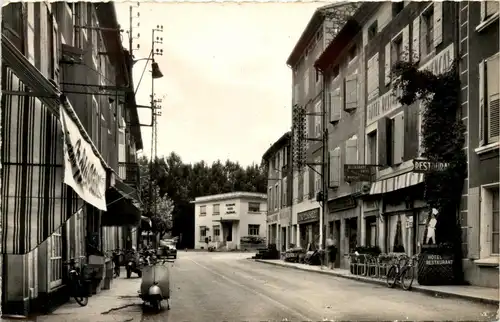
{"x": 169, "y": 245}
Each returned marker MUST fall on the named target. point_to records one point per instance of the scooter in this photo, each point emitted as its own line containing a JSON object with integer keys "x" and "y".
{"x": 155, "y": 285}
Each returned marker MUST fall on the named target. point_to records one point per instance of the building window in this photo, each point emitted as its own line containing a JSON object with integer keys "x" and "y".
{"x": 427, "y": 32}
{"x": 334, "y": 168}
{"x": 216, "y": 233}
{"x": 395, "y": 134}
{"x": 203, "y": 233}
{"x": 253, "y": 230}
{"x": 56, "y": 258}
{"x": 351, "y": 150}
{"x": 371, "y": 139}
{"x": 372, "y": 77}
{"x": 397, "y": 7}
{"x": 306, "y": 83}
{"x": 215, "y": 209}
{"x": 488, "y": 9}
{"x": 254, "y": 207}
{"x": 285, "y": 155}
{"x": 396, "y": 49}
{"x": 372, "y": 30}
{"x": 203, "y": 210}
{"x": 489, "y": 100}
{"x": 495, "y": 223}
{"x": 284, "y": 199}
{"x": 317, "y": 119}
{"x": 270, "y": 198}
{"x": 276, "y": 198}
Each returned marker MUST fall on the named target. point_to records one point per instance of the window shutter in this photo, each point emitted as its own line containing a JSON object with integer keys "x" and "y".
{"x": 438, "y": 23}
{"x": 351, "y": 92}
{"x": 284, "y": 190}
{"x": 389, "y": 125}
{"x": 482, "y": 85}
{"x": 492, "y": 68}
{"x": 306, "y": 182}
{"x": 317, "y": 119}
{"x": 416, "y": 40}
{"x": 387, "y": 63}
{"x": 398, "y": 137}
{"x": 382, "y": 141}
{"x": 351, "y": 151}
{"x": 336, "y": 102}
{"x": 405, "y": 55}
{"x": 334, "y": 167}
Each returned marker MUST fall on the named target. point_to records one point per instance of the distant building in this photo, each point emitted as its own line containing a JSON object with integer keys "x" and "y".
{"x": 278, "y": 159}
{"x": 230, "y": 220}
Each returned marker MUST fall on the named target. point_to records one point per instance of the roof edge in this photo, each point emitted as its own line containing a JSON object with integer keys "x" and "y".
{"x": 277, "y": 144}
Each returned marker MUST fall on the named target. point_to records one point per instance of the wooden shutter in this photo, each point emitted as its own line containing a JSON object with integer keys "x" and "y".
{"x": 482, "y": 85}
{"x": 398, "y": 138}
{"x": 438, "y": 23}
{"x": 306, "y": 181}
{"x": 336, "y": 102}
{"x": 405, "y": 50}
{"x": 387, "y": 63}
{"x": 492, "y": 69}
{"x": 351, "y": 151}
{"x": 351, "y": 92}
{"x": 416, "y": 40}
{"x": 382, "y": 141}
{"x": 389, "y": 133}
{"x": 334, "y": 167}
{"x": 284, "y": 192}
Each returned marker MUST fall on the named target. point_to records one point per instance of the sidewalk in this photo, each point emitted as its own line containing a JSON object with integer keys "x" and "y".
{"x": 472, "y": 293}
{"x": 118, "y": 304}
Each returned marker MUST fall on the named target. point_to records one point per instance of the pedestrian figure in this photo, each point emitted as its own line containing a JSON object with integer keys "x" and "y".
{"x": 331, "y": 245}
{"x": 431, "y": 227}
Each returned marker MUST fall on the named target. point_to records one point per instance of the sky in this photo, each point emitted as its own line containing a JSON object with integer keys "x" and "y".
{"x": 226, "y": 91}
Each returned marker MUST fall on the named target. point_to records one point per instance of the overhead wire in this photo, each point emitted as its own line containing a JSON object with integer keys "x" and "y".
{"x": 143, "y": 71}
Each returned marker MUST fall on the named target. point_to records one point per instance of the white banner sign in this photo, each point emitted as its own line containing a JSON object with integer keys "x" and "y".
{"x": 83, "y": 170}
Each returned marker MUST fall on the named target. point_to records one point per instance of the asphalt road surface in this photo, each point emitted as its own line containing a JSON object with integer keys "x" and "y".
{"x": 228, "y": 287}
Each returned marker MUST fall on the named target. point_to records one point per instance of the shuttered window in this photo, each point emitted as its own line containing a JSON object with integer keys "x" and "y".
{"x": 351, "y": 92}
{"x": 397, "y": 139}
{"x": 317, "y": 119}
{"x": 438, "y": 23}
{"x": 317, "y": 177}
{"x": 372, "y": 148}
{"x": 335, "y": 105}
{"x": 489, "y": 100}
{"x": 416, "y": 40}
{"x": 284, "y": 199}
{"x": 351, "y": 150}
{"x": 488, "y": 9}
{"x": 427, "y": 32}
{"x": 306, "y": 182}
{"x": 372, "y": 78}
{"x": 387, "y": 63}
{"x": 334, "y": 168}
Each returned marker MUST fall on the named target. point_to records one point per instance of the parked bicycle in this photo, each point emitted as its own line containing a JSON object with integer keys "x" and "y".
{"x": 402, "y": 273}
{"x": 76, "y": 283}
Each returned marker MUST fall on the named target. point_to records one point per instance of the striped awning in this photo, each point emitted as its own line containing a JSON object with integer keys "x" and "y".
{"x": 395, "y": 183}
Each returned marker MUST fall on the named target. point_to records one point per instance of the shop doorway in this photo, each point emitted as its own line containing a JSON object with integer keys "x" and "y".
{"x": 351, "y": 234}
{"x": 336, "y": 237}
{"x": 283, "y": 239}
{"x": 371, "y": 231}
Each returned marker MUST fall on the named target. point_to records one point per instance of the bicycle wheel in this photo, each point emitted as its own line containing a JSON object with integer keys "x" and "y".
{"x": 407, "y": 277}
{"x": 79, "y": 293}
{"x": 391, "y": 277}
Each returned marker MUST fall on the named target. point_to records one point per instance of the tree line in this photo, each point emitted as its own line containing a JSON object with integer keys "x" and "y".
{"x": 178, "y": 183}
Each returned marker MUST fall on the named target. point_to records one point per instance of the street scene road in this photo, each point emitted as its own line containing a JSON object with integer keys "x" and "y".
{"x": 230, "y": 287}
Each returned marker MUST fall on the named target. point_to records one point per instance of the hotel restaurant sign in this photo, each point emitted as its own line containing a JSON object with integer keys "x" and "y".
{"x": 83, "y": 170}
{"x": 230, "y": 209}
{"x": 387, "y": 103}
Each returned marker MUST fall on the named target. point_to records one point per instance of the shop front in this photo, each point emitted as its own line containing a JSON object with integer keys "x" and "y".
{"x": 343, "y": 214}
{"x": 272, "y": 229}
{"x": 403, "y": 213}
{"x": 308, "y": 222}
{"x": 284, "y": 220}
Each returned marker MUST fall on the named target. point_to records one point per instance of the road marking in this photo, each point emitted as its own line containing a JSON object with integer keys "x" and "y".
{"x": 283, "y": 306}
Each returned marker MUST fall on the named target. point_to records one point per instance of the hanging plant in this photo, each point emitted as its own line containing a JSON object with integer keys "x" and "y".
{"x": 442, "y": 140}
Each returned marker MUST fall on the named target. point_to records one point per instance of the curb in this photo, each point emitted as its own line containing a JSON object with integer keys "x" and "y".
{"x": 381, "y": 282}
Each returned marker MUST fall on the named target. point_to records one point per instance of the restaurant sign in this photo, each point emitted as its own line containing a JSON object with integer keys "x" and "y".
{"x": 83, "y": 170}
{"x": 424, "y": 166}
{"x": 308, "y": 216}
{"x": 388, "y": 102}
{"x": 230, "y": 209}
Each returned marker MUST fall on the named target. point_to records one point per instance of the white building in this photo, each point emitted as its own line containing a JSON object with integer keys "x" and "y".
{"x": 226, "y": 219}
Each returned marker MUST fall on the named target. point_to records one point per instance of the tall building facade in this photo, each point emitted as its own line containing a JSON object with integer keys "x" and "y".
{"x": 479, "y": 76}
{"x": 278, "y": 159}
{"x": 64, "y": 77}
{"x": 308, "y": 93}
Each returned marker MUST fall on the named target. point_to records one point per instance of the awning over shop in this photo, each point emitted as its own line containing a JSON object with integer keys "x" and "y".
{"x": 124, "y": 205}
{"x": 395, "y": 183}
{"x": 226, "y": 220}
